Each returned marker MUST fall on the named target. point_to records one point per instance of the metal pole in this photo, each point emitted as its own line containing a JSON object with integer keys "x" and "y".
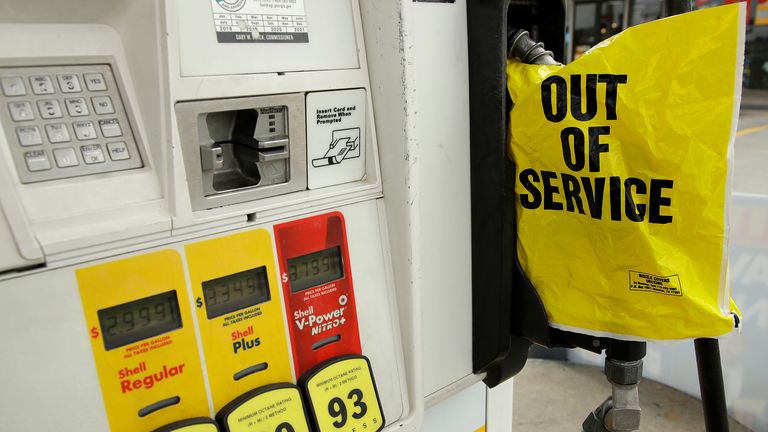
{"x": 711, "y": 385}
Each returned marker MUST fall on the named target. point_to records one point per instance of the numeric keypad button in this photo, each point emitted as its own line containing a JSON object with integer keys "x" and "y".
{"x": 84, "y": 130}
{"x": 41, "y": 84}
{"x": 13, "y": 86}
{"x": 69, "y": 83}
{"x": 21, "y": 111}
{"x": 65, "y": 157}
{"x": 49, "y": 109}
{"x": 57, "y": 133}
{"x": 77, "y": 107}
{"x": 29, "y": 135}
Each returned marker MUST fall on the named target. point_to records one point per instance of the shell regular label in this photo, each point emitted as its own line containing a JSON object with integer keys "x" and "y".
{"x": 238, "y": 307}
{"x": 143, "y": 341}
{"x": 342, "y": 396}
{"x": 277, "y": 408}
{"x": 317, "y": 285}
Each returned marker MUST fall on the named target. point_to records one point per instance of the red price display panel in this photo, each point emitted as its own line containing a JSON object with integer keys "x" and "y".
{"x": 317, "y": 285}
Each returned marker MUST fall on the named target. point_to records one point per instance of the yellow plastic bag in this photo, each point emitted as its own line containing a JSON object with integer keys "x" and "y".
{"x": 622, "y": 162}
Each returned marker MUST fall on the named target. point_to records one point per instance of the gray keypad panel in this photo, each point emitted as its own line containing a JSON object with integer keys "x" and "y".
{"x": 65, "y": 121}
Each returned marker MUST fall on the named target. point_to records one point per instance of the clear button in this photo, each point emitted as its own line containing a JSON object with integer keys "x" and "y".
{"x": 37, "y": 160}
{"x": 92, "y": 154}
{"x": 69, "y": 83}
{"x": 57, "y": 133}
{"x": 65, "y": 157}
{"x": 118, "y": 151}
{"x": 29, "y": 135}
{"x": 76, "y": 107}
{"x": 49, "y": 108}
{"x": 13, "y": 86}
{"x": 84, "y": 130}
{"x": 41, "y": 84}
{"x": 21, "y": 111}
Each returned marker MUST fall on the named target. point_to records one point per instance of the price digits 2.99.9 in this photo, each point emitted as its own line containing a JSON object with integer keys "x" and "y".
{"x": 137, "y": 318}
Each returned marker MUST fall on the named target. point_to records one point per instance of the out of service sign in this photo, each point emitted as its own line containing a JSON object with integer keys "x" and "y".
{"x": 622, "y": 162}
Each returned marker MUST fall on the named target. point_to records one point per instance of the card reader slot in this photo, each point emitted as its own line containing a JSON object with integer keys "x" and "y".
{"x": 325, "y": 342}
{"x": 250, "y": 371}
{"x": 157, "y": 406}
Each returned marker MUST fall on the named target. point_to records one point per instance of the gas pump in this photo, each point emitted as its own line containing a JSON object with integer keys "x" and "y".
{"x": 231, "y": 215}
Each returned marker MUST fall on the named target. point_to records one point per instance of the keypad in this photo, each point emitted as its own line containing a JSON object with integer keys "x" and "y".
{"x": 65, "y": 121}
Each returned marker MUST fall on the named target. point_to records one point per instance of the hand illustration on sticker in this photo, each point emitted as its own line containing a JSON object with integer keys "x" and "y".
{"x": 345, "y": 144}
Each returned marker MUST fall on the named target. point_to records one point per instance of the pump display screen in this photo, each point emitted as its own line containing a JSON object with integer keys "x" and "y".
{"x": 234, "y": 292}
{"x": 130, "y": 322}
{"x": 315, "y": 269}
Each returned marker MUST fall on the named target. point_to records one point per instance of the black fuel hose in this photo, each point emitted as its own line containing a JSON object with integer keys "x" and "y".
{"x": 529, "y": 51}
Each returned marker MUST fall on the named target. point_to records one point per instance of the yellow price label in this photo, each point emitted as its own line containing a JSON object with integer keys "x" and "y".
{"x": 201, "y": 424}
{"x": 342, "y": 396}
{"x": 276, "y": 407}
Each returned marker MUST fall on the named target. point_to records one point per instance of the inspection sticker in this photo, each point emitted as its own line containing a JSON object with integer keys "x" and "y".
{"x": 669, "y": 285}
{"x": 260, "y": 21}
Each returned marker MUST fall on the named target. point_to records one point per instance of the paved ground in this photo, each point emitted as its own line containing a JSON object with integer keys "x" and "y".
{"x": 556, "y": 396}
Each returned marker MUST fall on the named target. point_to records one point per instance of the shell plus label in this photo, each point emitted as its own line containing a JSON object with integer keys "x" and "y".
{"x": 238, "y": 308}
{"x": 277, "y": 408}
{"x": 342, "y": 396}
{"x": 143, "y": 341}
{"x": 260, "y": 21}
{"x": 669, "y": 285}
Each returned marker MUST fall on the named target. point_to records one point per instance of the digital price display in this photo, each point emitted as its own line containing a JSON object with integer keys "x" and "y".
{"x": 315, "y": 269}
{"x": 141, "y": 319}
{"x": 236, "y": 291}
